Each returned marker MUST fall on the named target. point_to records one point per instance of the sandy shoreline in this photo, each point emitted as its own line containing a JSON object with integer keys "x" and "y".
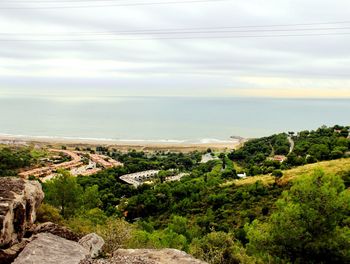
{"x": 121, "y": 145}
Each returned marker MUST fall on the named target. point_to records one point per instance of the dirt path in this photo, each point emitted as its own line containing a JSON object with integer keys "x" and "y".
{"x": 291, "y": 142}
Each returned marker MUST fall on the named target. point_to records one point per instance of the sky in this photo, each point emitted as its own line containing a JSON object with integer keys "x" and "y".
{"x": 80, "y": 51}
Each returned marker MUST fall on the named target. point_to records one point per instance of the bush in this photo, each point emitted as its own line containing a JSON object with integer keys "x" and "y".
{"x": 277, "y": 173}
{"x": 117, "y": 233}
{"x": 307, "y": 226}
{"x": 48, "y": 213}
{"x": 219, "y": 248}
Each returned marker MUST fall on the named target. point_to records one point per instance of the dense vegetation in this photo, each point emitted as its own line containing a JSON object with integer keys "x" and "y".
{"x": 13, "y": 159}
{"x": 218, "y": 222}
{"x": 325, "y": 143}
{"x": 253, "y": 156}
{"x": 208, "y": 213}
{"x": 322, "y": 144}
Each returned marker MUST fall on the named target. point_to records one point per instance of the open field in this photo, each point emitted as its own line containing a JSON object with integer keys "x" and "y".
{"x": 332, "y": 166}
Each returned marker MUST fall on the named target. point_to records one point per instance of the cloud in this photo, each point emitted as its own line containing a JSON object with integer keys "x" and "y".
{"x": 283, "y": 66}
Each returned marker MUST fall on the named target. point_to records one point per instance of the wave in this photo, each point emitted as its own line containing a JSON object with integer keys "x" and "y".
{"x": 215, "y": 140}
{"x": 7, "y": 136}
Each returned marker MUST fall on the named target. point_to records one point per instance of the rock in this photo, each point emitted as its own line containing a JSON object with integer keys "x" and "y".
{"x": 8, "y": 255}
{"x": 57, "y": 230}
{"x": 162, "y": 256}
{"x": 119, "y": 260}
{"x": 146, "y": 256}
{"x": 93, "y": 243}
{"x": 50, "y": 249}
{"x": 19, "y": 200}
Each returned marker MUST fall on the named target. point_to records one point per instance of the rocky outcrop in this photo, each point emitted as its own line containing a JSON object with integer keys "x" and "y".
{"x": 8, "y": 255}
{"x": 19, "y": 200}
{"x": 146, "y": 256}
{"x": 93, "y": 243}
{"x": 55, "y": 229}
{"x": 50, "y": 249}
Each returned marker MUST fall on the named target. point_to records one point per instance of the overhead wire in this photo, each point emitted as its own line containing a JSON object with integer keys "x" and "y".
{"x": 242, "y": 31}
{"x": 183, "y": 31}
{"x": 114, "y": 5}
{"x": 174, "y": 38}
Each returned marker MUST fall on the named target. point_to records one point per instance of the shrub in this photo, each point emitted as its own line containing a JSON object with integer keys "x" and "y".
{"x": 48, "y": 213}
{"x": 219, "y": 248}
{"x": 277, "y": 173}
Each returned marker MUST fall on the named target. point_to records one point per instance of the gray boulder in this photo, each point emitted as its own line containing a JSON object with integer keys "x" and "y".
{"x": 46, "y": 248}
{"x": 55, "y": 229}
{"x": 146, "y": 256}
{"x": 93, "y": 243}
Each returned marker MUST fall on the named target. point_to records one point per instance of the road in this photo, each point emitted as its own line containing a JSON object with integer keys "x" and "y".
{"x": 291, "y": 142}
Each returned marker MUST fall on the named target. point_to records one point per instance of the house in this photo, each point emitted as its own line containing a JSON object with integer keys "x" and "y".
{"x": 242, "y": 175}
{"x": 279, "y": 158}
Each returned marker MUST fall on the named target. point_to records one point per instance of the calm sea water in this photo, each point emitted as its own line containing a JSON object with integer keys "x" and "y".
{"x": 174, "y": 119}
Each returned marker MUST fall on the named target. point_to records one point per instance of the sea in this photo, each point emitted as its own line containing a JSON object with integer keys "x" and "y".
{"x": 165, "y": 119}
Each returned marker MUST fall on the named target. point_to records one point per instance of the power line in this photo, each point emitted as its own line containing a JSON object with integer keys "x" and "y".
{"x": 189, "y": 31}
{"x": 202, "y": 29}
{"x": 116, "y": 5}
{"x": 174, "y": 38}
{"x": 58, "y": 2}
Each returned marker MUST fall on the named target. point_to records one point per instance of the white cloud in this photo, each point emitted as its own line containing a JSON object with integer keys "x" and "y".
{"x": 208, "y": 67}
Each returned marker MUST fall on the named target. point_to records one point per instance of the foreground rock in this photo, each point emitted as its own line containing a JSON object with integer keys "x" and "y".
{"x": 147, "y": 256}
{"x": 8, "y": 255}
{"x": 55, "y": 229}
{"x": 19, "y": 200}
{"x": 50, "y": 249}
{"x": 93, "y": 243}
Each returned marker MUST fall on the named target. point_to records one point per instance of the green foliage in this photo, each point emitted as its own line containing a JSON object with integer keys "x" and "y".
{"x": 307, "y": 226}
{"x": 310, "y": 146}
{"x": 219, "y": 248}
{"x": 12, "y": 159}
{"x": 253, "y": 155}
{"x": 64, "y": 193}
{"x": 90, "y": 198}
{"x": 322, "y": 144}
{"x": 215, "y": 221}
{"x": 158, "y": 239}
{"x": 277, "y": 173}
{"x": 48, "y": 213}
{"x": 86, "y": 221}
{"x": 116, "y": 233}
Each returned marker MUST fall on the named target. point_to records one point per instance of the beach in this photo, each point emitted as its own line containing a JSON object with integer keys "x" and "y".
{"x": 123, "y": 146}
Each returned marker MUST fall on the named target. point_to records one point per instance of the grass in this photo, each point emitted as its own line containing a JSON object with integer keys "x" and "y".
{"x": 332, "y": 167}
{"x": 38, "y": 153}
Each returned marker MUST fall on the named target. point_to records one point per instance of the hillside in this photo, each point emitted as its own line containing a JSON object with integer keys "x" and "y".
{"x": 330, "y": 166}
{"x": 220, "y": 210}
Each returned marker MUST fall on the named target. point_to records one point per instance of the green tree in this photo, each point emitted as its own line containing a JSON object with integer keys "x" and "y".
{"x": 90, "y": 198}
{"x": 319, "y": 151}
{"x": 63, "y": 192}
{"x": 307, "y": 226}
{"x": 219, "y": 248}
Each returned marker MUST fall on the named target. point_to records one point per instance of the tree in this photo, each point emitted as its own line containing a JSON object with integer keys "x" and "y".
{"x": 308, "y": 224}
{"x": 12, "y": 159}
{"x": 222, "y": 156}
{"x": 219, "y": 248}
{"x": 90, "y": 198}
{"x": 319, "y": 151}
{"x": 63, "y": 192}
{"x": 277, "y": 173}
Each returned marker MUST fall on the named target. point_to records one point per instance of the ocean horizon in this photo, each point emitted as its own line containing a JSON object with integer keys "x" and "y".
{"x": 165, "y": 119}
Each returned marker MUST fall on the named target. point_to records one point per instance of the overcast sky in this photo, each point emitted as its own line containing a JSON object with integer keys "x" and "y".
{"x": 298, "y": 66}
